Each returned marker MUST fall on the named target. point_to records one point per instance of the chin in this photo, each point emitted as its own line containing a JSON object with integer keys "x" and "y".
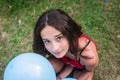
{"x": 58, "y": 56}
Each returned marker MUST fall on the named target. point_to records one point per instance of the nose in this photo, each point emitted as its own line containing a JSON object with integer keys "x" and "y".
{"x": 55, "y": 46}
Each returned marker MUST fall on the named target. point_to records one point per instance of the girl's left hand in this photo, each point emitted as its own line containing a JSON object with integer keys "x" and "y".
{"x": 58, "y": 78}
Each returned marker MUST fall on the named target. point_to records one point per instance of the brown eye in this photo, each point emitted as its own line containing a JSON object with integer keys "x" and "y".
{"x": 46, "y": 42}
{"x": 59, "y": 38}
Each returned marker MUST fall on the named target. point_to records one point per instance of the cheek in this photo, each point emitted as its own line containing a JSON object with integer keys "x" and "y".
{"x": 48, "y": 48}
{"x": 65, "y": 44}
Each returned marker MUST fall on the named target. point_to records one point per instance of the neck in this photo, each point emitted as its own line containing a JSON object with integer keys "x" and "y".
{"x": 70, "y": 55}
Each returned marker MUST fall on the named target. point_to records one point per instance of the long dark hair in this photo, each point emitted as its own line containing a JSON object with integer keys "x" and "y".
{"x": 60, "y": 21}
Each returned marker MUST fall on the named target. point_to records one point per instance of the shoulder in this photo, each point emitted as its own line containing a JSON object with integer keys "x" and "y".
{"x": 90, "y": 50}
{"x": 89, "y": 57}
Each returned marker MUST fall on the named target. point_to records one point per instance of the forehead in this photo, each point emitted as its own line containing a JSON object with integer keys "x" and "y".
{"x": 49, "y": 31}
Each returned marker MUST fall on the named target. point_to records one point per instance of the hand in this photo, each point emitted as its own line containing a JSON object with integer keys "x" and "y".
{"x": 58, "y": 78}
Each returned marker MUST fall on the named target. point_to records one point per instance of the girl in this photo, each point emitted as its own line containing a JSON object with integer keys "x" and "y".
{"x": 71, "y": 52}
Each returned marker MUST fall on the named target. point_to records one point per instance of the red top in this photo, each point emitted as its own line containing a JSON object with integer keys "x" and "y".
{"x": 84, "y": 36}
{"x": 76, "y": 63}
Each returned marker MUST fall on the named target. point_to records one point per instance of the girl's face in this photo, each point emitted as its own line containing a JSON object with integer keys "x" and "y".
{"x": 54, "y": 41}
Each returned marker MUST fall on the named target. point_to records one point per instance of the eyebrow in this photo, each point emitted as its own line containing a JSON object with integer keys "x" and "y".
{"x": 55, "y": 36}
{"x": 59, "y": 35}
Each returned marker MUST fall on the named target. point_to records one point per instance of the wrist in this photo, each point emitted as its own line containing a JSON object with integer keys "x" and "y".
{"x": 58, "y": 77}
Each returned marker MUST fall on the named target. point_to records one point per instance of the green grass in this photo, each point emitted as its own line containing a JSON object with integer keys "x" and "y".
{"x": 100, "y": 21}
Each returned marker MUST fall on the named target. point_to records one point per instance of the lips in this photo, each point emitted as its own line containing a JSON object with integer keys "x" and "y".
{"x": 57, "y": 53}
{"x": 60, "y": 53}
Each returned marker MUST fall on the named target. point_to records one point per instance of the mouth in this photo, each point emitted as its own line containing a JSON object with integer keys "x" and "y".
{"x": 58, "y": 53}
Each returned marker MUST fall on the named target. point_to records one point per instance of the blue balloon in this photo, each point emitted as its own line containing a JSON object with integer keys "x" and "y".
{"x": 29, "y": 66}
{"x": 69, "y": 79}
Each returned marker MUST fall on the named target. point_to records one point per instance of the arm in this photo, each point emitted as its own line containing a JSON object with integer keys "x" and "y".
{"x": 65, "y": 72}
{"x": 89, "y": 58}
{"x": 90, "y": 66}
{"x": 90, "y": 63}
{"x": 83, "y": 75}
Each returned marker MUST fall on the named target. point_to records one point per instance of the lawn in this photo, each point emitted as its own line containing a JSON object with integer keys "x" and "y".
{"x": 100, "y": 20}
